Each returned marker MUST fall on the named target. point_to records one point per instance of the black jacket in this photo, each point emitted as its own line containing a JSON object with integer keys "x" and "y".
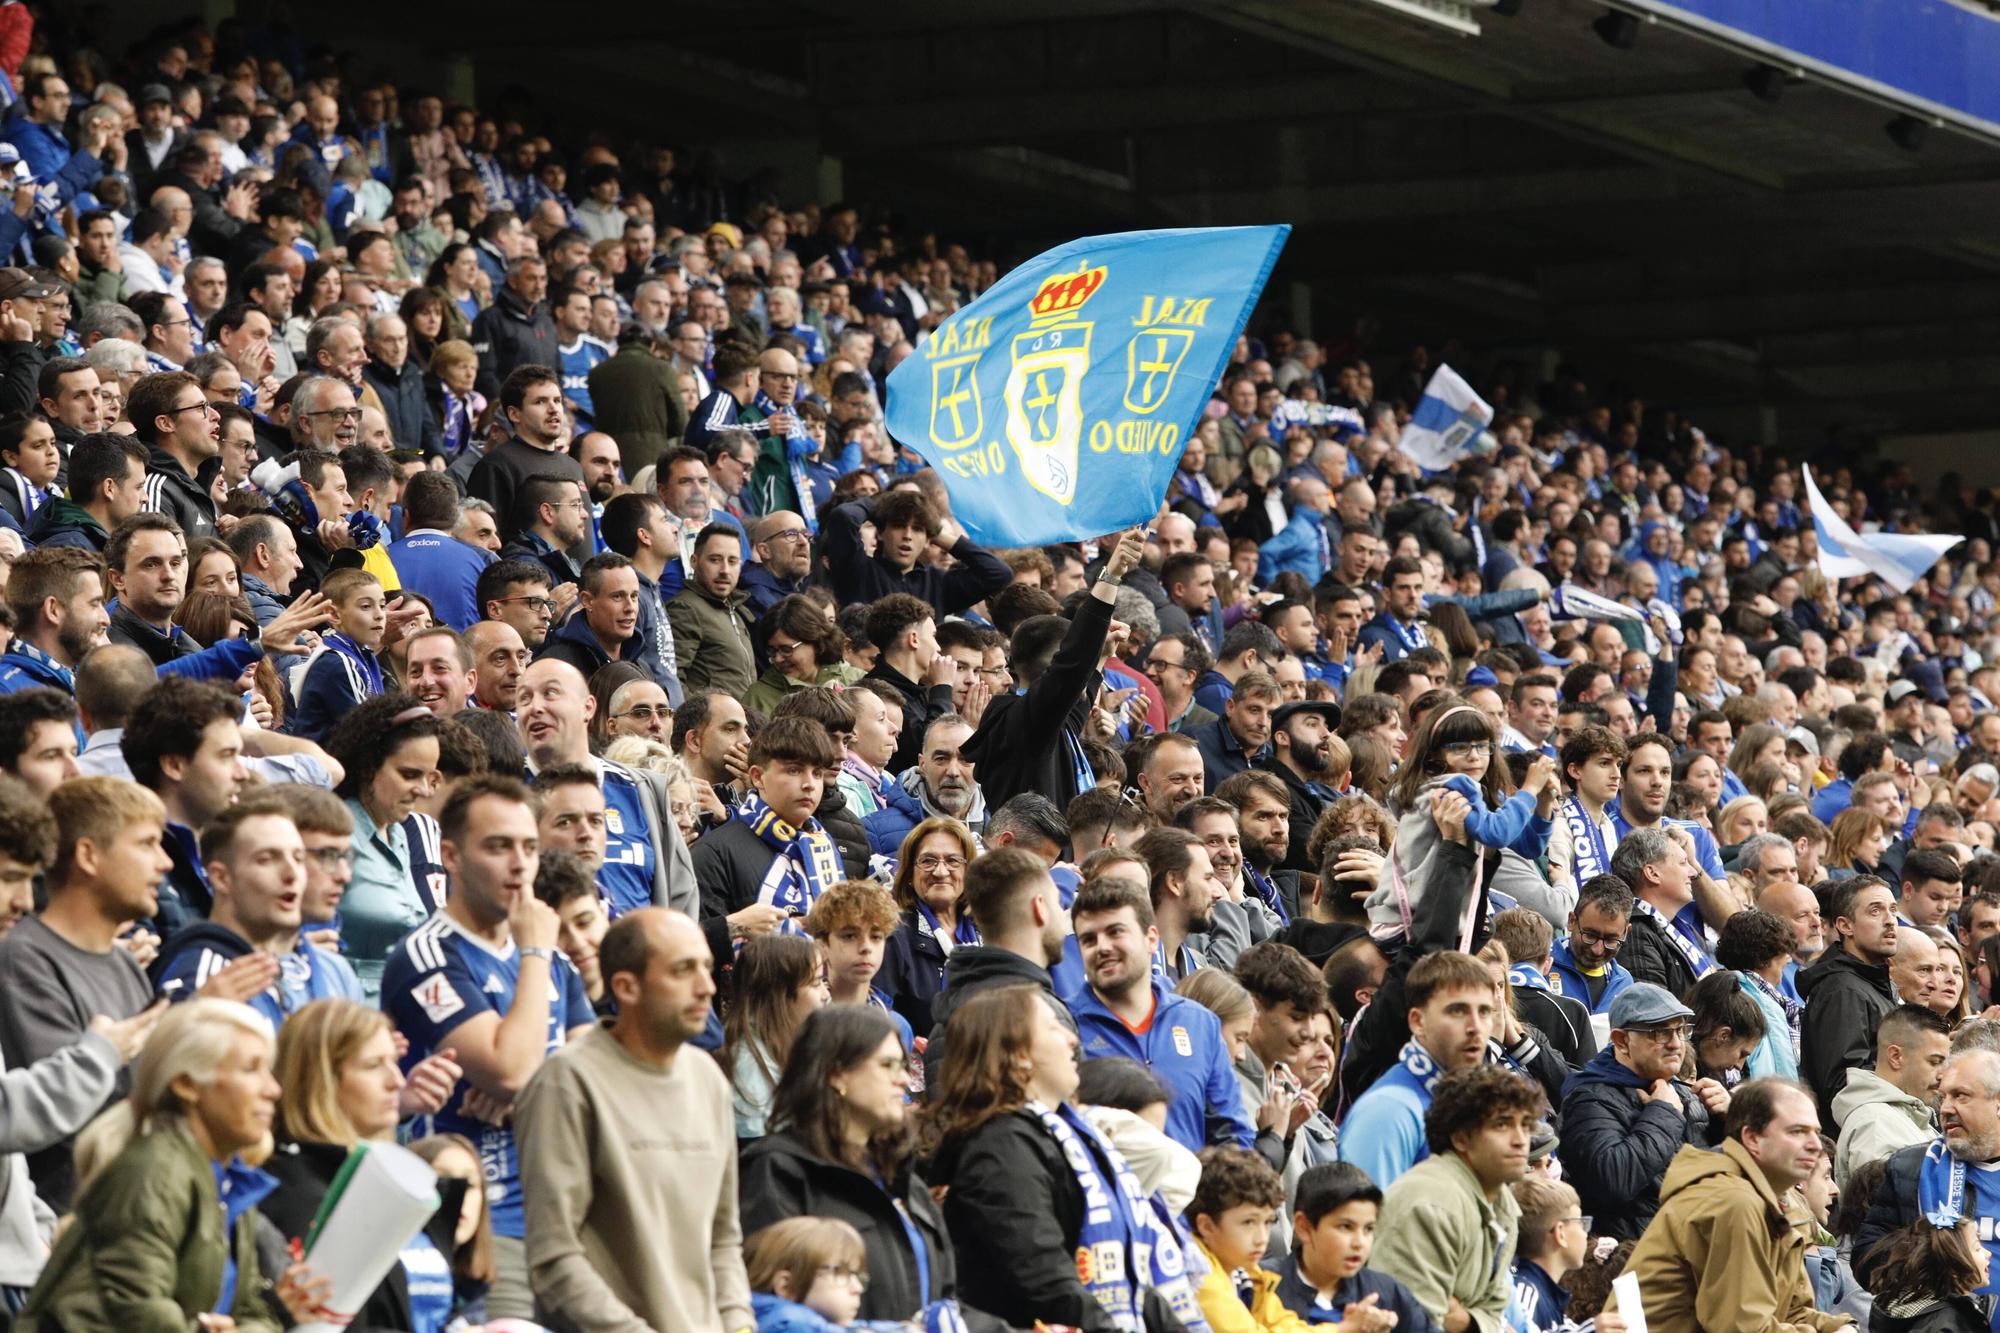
{"x": 510, "y": 333}
{"x": 1615, "y": 1147}
{"x": 975, "y": 968}
{"x": 1306, "y": 807}
{"x": 844, "y": 827}
{"x": 1317, "y": 939}
{"x": 500, "y": 471}
{"x": 411, "y": 424}
{"x": 305, "y": 1172}
{"x": 1563, "y": 1022}
{"x": 171, "y": 491}
{"x": 1650, "y": 956}
{"x": 1016, "y": 1210}
{"x": 1019, "y": 745}
{"x": 921, "y": 703}
{"x": 730, "y": 863}
{"x": 780, "y": 1178}
{"x": 860, "y": 577}
{"x": 171, "y": 646}
{"x": 912, "y": 972}
{"x": 1845, "y": 998}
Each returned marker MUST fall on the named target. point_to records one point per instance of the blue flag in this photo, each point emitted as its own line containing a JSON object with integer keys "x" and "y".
{"x": 1055, "y": 407}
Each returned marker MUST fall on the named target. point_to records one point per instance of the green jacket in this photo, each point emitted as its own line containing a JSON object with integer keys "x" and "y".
{"x": 144, "y": 1252}
{"x": 1441, "y": 1238}
{"x": 636, "y": 399}
{"x": 774, "y": 684}
{"x": 712, "y": 641}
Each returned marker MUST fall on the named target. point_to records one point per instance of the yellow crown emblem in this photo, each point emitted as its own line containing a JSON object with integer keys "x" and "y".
{"x": 1065, "y": 293}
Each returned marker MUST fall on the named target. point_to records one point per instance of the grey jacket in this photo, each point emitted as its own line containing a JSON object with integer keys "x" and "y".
{"x": 40, "y": 1106}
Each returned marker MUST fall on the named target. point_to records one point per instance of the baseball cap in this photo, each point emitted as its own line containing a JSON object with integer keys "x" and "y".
{"x": 1644, "y": 1005}
{"x": 154, "y": 92}
{"x": 1900, "y": 690}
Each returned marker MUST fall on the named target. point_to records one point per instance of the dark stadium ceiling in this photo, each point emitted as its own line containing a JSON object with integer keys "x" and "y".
{"x": 1527, "y": 189}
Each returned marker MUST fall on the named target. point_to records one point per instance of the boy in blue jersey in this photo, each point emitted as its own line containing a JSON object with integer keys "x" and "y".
{"x": 1124, "y": 1009}
{"x": 1452, "y": 1015}
{"x": 484, "y": 978}
{"x": 1555, "y": 1237}
{"x": 251, "y": 948}
{"x": 350, "y": 670}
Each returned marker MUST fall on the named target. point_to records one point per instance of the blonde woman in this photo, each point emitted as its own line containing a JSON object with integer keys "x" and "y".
{"x": 162, "y": 1235}
{"x": 1858, "y": 841}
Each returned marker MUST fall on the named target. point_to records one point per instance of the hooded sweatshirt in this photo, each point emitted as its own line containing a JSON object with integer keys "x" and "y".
{"x": 1876, "y": 1119}
{"x": 1845, "y": 1000}
{"x": 1725, "y": 1252}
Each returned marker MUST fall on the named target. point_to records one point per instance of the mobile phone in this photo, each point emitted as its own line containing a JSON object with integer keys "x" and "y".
{"x": 1283, "y": 1078}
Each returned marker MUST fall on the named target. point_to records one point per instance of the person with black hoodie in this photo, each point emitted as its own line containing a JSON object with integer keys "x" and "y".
{"x": 1031, "y": 740}
{"x": 1022, "y": 925}
{"x": 1847, "y": 989}
{"x": 906, "y": 522}
{"x": 107, "y": 476}
{"x": 172, "y": 415}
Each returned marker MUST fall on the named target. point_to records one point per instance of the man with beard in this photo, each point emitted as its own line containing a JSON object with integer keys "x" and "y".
{"x": 1642, "y": 803}
{"x": 779, "y": 480}
{"x": 1127, "y": 1009}
{"x": 1302, "y": 757}
{"x": 941, "y": 784}
{"x": 1263, "y": 822}
{"x": 56, "y": 594}
{"x": 780, "y": 560}
{"x": 1848, "y": 991}
{"x": 550, "y": 517}
{"x": 597, "y": 454}
{"x": 1184, "y": 890}
{"x": 1234, "y": 923}
{"x": 1930, "y": 1181}
{"x": 531, "y": 400}
{"x": 1022, "y": 927}
{"x": 1242, "y": 736}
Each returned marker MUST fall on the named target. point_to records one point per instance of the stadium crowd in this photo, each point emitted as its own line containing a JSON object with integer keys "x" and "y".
{"x": 479, "y": 675}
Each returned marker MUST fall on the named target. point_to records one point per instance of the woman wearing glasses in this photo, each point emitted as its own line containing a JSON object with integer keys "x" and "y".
{"x": 929, "y": 889}
{"x": 802, "y": 647}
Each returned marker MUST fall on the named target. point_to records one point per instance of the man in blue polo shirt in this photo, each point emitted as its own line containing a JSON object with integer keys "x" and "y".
{"x": 432, "y": 562}
{"x": 1124, "y": 1010}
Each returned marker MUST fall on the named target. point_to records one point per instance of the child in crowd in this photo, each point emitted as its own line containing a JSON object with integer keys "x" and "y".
{"x": 1590, "y": 1286}
{"x": 850, "y": 923}
{"x": 779, "y": 980}
{"x": 1231, "y": 1216}
{"x": 1326, "y": 1278}
{"x": 1554, "y": 1238}
{"x": 350, "y": 668}
{"x": 806, "y": 1275}
{"x": 1455, "y": 750}
{"x": 1926, "y": 1278}
{"x": 472, "y": 1264}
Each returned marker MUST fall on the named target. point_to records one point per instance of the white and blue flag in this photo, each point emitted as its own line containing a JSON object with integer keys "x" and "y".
{"x": 1898, "y": 559}
{"x": 1447, "y": 422}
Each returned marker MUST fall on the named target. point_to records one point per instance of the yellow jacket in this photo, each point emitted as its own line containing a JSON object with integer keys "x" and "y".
{"x": 1222, "y": 1305}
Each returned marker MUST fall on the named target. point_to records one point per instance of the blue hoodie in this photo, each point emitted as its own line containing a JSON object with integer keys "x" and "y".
{"x": 1569, "y": 979}
{"x": 1182, "y": 1043}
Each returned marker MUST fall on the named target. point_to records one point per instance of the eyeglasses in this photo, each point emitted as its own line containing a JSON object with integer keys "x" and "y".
{"x": 1163, "y": 664}
{"x": 1608, "y": 943}
{"x": 1469, "y": 747}
{"x": 343, "y": 413}
{"x": 781, "y": 649}
{"x": 996, "y": 672}
{"x": 645, "y": 712}
{"x": 331, "y": 858}
{"x": 1677, "y": 1032}
{"x": 855, "y": 1275}
{"x": 931, "y": 863}
{"x": 206, "y": 407}
{"x": 1585, "y": 1218}
{"x": 543, "y": 605}
{"x": 790, "y": 535}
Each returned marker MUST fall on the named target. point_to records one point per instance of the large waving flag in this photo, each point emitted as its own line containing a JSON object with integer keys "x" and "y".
{"x": 1055, "y": 407}
{"x": 1898, "y": 559}
{"x": 1446, "y": 423}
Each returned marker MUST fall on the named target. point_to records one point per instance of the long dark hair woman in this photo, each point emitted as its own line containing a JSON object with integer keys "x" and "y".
{"x": 388, "y": 748}
{"x": 841, "y": 1146}
{"x": 1031, "y": 1184}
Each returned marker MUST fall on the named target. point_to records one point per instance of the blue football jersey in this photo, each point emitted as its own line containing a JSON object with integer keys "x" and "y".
{"x": 439, "y": 977}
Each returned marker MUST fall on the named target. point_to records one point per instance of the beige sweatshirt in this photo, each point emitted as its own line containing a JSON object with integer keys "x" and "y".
{"x": 629, "y": 1177}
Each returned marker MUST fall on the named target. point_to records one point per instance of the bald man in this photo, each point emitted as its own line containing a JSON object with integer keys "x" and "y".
{"x": 645, "y": 860}
{"x": 498, "y": 655}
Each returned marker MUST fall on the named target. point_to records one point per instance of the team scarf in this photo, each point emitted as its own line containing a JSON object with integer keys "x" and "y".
{"x": 1941, "y": 1186}
{"x": 807, "y": 864}
{"x": 1696, "y": 957}
{"x": 1127, "y": 1245}
{"x": 1588, "y": 856}
{"x": 1528, "y": 975}
{"x": 795, "y": 464}
{"x": 1267, "y": 889}
{"x": 1411, "y": 636}
{"x": 364, "y": 662}
{"x": 962, "y": 933}
{"x": 1794, "y": 1011}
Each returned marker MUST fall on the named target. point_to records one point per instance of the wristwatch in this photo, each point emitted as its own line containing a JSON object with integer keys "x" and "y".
{"x": 539, "y": 951}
